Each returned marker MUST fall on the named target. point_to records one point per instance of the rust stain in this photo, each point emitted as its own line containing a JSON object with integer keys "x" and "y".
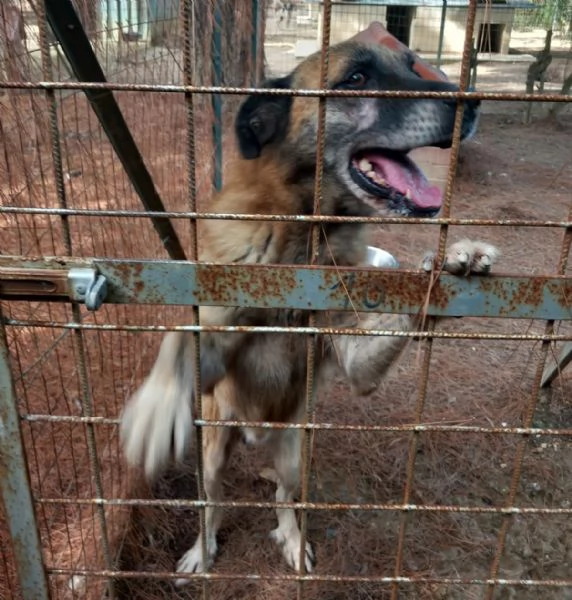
{"x": 225, "y": 283}
{"x": 562, "y": 291}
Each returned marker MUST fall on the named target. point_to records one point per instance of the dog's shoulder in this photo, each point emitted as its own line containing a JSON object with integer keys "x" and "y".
{"x": 251, "y": 188}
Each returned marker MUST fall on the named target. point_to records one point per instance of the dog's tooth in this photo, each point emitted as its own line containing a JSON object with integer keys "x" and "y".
{"x": 371, "y": 174}
{"x": 364, "y": 165}
{"x": 408, "y": 194}
{"x": 378, "y": 179}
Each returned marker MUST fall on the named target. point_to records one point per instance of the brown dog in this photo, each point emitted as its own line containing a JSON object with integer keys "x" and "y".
{"x": 261, "y": 377}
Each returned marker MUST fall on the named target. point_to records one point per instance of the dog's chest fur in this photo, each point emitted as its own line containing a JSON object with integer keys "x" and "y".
{"x": 269, "y": 372}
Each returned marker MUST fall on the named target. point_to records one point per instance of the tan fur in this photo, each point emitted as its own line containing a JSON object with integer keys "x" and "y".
{"x": 258, "y": 377}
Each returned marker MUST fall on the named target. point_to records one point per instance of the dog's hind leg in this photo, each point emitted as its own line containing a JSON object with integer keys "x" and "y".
{"x": 217, "y": 446}
{"x": 287, "y": 455}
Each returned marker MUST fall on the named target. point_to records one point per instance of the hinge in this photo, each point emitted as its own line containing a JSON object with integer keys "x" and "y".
{"x": 87, "y": 286}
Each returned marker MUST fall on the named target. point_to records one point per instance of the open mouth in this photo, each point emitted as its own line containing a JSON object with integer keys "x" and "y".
{"x": 394, "y": 179}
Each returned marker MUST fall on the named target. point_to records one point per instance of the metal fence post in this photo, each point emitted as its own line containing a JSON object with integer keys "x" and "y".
{"x": 216, "y": 49}
{"x": 15, "y": 487}
{"x": 441, "y": 33}
{"x": 254, "y": 42}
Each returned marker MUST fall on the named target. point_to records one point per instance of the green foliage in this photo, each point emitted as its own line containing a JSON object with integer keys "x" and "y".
{"x": 549, "y": 14}
{"x": 556, "y": 15}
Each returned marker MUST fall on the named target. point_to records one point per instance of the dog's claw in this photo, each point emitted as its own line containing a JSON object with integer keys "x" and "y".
{"x": 428, "y": 262}
{"x": 192, "y": 561}
{"x": 465, "y": 257}
{"x": 290, "y": 547}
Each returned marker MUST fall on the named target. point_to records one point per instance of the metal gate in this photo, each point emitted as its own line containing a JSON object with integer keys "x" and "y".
{"x": 66, "y": 311}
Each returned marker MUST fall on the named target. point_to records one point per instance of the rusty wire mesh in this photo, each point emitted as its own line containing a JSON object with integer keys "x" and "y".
{"x": 456, "y": 485}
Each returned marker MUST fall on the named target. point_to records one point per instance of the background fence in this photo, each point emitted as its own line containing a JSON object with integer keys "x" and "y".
{"x": 453, "y": 481}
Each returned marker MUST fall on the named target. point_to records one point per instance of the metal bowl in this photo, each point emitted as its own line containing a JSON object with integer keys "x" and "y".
{"x": 376, "y": 257}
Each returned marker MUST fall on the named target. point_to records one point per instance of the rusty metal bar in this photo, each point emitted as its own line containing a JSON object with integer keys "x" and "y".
{"x": 425, "y": 427}
{"x": 68, "y": 29}
{"x": 189, "y": 66}
{"x": 446, "y": 335}
{"x": 431, "y": 321}
{"x": 303, "y": 287}
{"x": 557, "y": 583}
{"x": 15, "y": 488}
{"x": 316, "y": 234}
{"x": 317, "y": 93}
{"x": 88, "y": 212}
{"x": 302, "y": 506}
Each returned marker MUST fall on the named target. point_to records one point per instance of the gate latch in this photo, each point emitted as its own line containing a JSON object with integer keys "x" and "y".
{"x": 87, "y": 286}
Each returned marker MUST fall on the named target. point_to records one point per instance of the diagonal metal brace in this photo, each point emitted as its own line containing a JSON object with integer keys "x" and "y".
{"x": 77, "y": 48}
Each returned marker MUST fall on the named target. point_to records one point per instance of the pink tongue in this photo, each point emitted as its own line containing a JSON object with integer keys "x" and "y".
{"x": 403, "y": 175}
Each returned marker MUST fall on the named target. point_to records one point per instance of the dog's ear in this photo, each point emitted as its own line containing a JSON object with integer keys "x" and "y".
{"x": 263, "y": 119}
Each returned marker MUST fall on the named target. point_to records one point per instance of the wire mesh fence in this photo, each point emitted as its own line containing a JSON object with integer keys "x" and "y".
{"x": 452, "y": 481}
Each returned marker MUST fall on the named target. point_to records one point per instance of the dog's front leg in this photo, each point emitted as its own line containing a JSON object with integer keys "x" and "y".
{"x": 217, "y": 446}
{"x": 287, "y": 458}
{"x": 365, "y": 359}
{"x": 157, "y": 422}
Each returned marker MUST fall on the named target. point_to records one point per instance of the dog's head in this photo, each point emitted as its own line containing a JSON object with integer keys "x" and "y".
{"x": 367, "y": 140}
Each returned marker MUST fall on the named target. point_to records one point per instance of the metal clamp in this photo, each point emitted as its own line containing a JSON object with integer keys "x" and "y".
{"x": 87, "y": 286}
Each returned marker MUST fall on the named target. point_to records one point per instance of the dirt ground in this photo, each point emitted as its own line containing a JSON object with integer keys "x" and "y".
{"x": 509, "y": 171}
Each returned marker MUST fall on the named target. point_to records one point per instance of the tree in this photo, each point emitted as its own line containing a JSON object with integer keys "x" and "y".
{"x": 222, "y": 36}
{"x": 556, "y": 17}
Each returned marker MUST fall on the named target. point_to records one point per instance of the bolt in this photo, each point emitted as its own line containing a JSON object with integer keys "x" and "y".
{"x": 80, "y": 289}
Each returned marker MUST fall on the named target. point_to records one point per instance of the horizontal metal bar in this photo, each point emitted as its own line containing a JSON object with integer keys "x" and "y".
{"x": 444, "y": 335}
{"x": 308, "y": 93}
{"x": 313, "y": 506}
{"x": 321, "y": 288}
{"x": 558, "y": 583}
{"x": 15, "y": 488}
{"x": 88, "y": 212}
{"x": 421, "y": 427}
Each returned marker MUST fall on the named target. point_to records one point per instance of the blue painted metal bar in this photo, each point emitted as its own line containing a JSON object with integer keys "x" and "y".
{"x": 442, "y": 33}
{"x": 15, "y": 488}
{"x": 304, "y": 288}
{"x": 254, "y": 42}
{"x": 216, "y": 98}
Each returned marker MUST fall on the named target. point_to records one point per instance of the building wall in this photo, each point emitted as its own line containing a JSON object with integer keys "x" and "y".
{"x": 348, "y": 19}
{"x": 426, "y": 25}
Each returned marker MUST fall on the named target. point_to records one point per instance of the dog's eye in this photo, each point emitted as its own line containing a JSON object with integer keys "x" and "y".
{"x": 357, "y": 80}
{"x": 411, "y": 64}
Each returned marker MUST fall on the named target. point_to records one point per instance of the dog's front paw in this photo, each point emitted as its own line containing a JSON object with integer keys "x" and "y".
{"x": 289, "y": 543}
{"x": 192, "y": 561}
{"x": 157, "y": 425}
{"x": 465, "y": 257}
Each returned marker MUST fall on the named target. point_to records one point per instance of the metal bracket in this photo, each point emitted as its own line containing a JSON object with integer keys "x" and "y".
{"x": 87, "y": 286}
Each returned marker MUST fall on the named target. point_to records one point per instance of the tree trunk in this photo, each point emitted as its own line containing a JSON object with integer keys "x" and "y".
{"x": 233, "y": 22}
{"x": 558, "y": 107}
{"x": 226, "y": 50}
